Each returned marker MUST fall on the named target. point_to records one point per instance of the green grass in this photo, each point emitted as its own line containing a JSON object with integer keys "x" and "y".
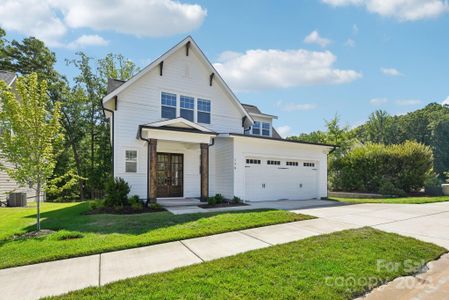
{"x": 80, "y": 234}
{"x": 405, "y": 200}
{"x": 320, "y": 267}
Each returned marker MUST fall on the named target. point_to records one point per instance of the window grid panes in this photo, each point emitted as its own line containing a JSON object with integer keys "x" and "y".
{"x": 292, "y": 163}
{"x": 273, "y": 162}
{"x": 204, "y": 109}
{"x": 253, "y": 161}
{"x": 131, "y": 161}
{"x": 256, "y": 128}
{"x": 168, "y": 105}
{"x": 266, "y": 129}
{"x": 187, "y": 105}
{"x": 309, "y": 164}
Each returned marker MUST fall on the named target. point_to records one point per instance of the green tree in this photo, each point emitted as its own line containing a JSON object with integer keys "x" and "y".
{"x": 32, "y": 131}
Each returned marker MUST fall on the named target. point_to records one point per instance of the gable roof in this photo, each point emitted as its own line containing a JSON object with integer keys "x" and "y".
{"x": 179, "y": 123}
{"x": 8, "y": 77}
{"x": 164, "y": 56}
{"x": 255, "y": 111}
{"x": 113, "y": 84}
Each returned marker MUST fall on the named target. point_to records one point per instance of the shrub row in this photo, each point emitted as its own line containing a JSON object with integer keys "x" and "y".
{"x": 386, "y": 169}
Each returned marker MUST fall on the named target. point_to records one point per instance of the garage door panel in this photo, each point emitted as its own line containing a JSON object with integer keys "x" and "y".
{"x": 275, "y": 182}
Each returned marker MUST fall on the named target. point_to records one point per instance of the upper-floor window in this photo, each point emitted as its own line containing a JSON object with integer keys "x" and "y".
{"x": 261, "y": 128}
{"x": 266, "y": 129}
{"x": 203, "y": 107}
{"x": 256, "y": 128}
{"x": 168, "y": 105}
{"x": 131, "y": 161}
{"x": 187, "y": 105}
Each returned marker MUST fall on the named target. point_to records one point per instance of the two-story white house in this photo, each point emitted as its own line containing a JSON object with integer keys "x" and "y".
{"x": 178, "y": 130}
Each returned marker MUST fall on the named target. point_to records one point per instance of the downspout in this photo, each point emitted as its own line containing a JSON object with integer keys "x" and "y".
{"x": 148, "y": 164}
{"x": 112, "y": 133}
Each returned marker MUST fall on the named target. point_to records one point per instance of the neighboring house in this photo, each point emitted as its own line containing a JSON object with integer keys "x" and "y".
{"x": 179, "y": 131}
{"x": 7, "y": 184}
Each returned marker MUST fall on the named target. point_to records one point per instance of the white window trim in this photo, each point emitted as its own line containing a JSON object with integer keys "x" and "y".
{"x": 126, "y": 160}
{"x": 270, "y": 129}
{"x": 178, "y": 104}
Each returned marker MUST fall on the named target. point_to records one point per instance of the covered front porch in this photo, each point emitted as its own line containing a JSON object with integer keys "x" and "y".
{"x": 178, "y": 159}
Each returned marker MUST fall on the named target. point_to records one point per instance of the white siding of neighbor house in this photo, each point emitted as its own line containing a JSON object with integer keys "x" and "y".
{"x": 140, "y": 104}
{"x": 8, "y": 185}
{"x": 222, "y": 167}
{"x": 266, "y": 149}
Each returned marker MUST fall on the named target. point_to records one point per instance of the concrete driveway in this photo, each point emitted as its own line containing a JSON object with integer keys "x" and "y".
{"x": 427, "y": 222}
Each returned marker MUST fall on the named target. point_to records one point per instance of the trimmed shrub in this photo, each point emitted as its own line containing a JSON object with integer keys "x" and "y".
{"x": 365, "y": 168}
{"x": 117, "y": 190}
{"x": 236, "y": 200}
{"x": 211, "y": 201}
{"x": 134, "y": 202}
{"x": 219, "y": 198}
{"x": 388, "y": 189}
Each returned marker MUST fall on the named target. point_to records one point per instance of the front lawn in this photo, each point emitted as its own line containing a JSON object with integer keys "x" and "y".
{"x": 79, "y": 234}
{"x": 405, "y": 200}
{"x": 341, "y": 265}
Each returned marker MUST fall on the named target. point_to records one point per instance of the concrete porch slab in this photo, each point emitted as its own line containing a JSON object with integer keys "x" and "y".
{"x": 222, "y": 245}
{"x": 51, "y": 278}
{"x": 146, "y": 260}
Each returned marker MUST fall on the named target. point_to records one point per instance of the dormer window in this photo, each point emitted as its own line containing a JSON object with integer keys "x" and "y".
{"x": 266, "y": 129}
{"x": 261, "y": 128}
{"x": 256, "y": 128}
{"x": 187, "y": 107}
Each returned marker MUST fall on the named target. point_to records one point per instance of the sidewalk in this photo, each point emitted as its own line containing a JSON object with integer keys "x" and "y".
{"x": 58, "y": 277}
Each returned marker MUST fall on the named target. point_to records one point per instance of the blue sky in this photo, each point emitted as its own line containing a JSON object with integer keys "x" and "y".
{"x": 304, "y": 60}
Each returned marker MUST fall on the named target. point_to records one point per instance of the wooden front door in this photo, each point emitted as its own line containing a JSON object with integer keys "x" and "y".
{"x": 170, "y": 171}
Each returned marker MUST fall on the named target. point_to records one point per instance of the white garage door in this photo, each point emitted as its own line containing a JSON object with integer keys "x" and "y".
{"x": 275, "y": 179}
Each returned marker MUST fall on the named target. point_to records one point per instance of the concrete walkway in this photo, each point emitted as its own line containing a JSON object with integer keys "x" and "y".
{"x": 58, "y": 277}
{"x": 189, "y": 206}
{"x": 427, "y": 222}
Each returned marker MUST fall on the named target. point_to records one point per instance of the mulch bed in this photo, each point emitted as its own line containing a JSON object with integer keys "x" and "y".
{"x": 222, "y": 205}
{"x": 123, "y": 210}
{"x": 33, "y": 234}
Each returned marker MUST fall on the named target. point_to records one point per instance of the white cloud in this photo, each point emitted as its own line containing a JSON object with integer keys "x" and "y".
{"x": 446, "y": 101}
{"x": 390, "y": 72}
{"x": 404, "y": 102}
{"x": 265, "y": 69}
{"x": 284, "y": 131}
{"x": 315, "y": 38}
{"x": 403, "y": 10}
{"x": 50, "y": 20}
{"x": 32, "y": 17}
{"x": 378, "y": 101}
{"x": 350, "y": 43}
{"x": 88, "y": 40}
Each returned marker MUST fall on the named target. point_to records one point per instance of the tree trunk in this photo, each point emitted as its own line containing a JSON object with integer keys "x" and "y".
{"x": 78, "y": 170}
{"x": 38, "y": 204}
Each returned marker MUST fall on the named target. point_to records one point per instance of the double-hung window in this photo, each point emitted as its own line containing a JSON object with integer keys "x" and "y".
{"x": 203, "y": 107}
{"x": 187, "y": 107}
{"x": 168, "y": 105}
{"x": 256, "y": 128}
{"x": 131, "y": 161}
{"x": 266, "y": 129}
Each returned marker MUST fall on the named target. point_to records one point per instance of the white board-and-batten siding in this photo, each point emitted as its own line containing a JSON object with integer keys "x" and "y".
{"x": 140, "y": 104}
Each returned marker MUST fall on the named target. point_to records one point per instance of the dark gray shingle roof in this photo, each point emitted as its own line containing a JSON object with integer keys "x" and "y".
{"x": 252, "y": 109}
{"x": 7, "y": 76}
{"x": 113, "y": 84}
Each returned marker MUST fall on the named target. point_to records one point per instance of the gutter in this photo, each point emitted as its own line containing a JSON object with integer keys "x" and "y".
{"x": 112, "y": 133}
{"x": 333, "y": 149}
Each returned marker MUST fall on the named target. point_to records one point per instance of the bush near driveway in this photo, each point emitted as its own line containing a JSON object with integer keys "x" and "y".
{"x": 341, "y": 265}
{"x": 375, "y": 167}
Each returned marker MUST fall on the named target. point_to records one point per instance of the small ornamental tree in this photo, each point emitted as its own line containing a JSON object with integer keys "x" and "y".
{"x": 30, "y": 133}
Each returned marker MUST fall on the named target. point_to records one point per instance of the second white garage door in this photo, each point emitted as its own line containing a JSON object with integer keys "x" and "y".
{"x": 275, "y": 179}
